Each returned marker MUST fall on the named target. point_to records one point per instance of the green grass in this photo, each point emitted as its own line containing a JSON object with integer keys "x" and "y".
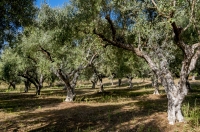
{"x": 192, "y": 113}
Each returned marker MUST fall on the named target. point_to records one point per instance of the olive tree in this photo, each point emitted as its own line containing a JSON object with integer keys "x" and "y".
{"x": 56, "y": 41}
{"x": 152, "y": 31}
{"x": 8, "y": 72}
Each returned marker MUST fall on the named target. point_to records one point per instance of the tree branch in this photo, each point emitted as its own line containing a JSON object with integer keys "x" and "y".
{"x": 191, "y": 15}
{"x": 112, "y": 27}
{"x": 194, "y": 60}
{"x": 154, "y": 3}
{"x": 47, "y": 53}
{"x": 31, "y": 58}
{"x": 114, "y": 43}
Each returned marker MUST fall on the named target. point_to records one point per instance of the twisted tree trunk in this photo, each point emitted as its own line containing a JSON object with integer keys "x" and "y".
{"x": 175, "y": 93}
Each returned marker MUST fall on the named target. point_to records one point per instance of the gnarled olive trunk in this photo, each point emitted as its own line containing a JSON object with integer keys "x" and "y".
{"x": 155, "y": 83}
{"x": 175, "y": 95}
{"x": 70, "y": 86}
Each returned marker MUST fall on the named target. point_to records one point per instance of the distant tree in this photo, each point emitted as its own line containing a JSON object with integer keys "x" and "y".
{"x": 8, "y": 72}
{"x": 56, "y": 42}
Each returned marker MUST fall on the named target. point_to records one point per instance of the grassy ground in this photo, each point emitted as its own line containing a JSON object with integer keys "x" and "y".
{"x": 118, "y": 109}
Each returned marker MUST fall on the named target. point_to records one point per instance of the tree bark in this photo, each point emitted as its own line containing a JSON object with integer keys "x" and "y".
{"x": 93, "y": 84}
{"x": 193, "y": 78}
{"x": 27, "y": 85}
{"x": 119, "y": 81}
{"x": 70, "y": 91}
{"x": 70, "y": 95}
{"x": 112, "y": 77}
{"x": 155, "y": 83}
{"x": 38, "y": 89}
{"x": 130, "y": 81}
{"x": 101, "y": 85}
{"x": 94, "y": 80}
{"x": 12, "y": 84}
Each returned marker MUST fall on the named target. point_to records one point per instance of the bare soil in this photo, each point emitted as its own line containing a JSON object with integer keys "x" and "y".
{"x": 119, "y": 109}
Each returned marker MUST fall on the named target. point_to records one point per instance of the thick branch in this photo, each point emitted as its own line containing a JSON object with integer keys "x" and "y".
{"x": 64, "y": 78}
{"x": 47, "y": 53}
{"x": 83, "y": 67}
{"x": 112, "y": 27}
{"x": 29, "y": 78}
{"x": 194, "y": 61}
{"x": 114, "y": 43}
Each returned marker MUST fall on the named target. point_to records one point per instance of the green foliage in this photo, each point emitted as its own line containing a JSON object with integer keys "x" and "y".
{"x": 8, "y": 66}
{"x": 13, "y": 16}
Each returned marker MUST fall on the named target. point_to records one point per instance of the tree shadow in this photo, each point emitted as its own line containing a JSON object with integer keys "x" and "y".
{"x": 85, "y": 117}
{"x": 15, "y": 102}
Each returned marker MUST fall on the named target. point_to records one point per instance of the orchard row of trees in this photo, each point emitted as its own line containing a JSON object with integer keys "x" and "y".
{"x": 96, "y": 38}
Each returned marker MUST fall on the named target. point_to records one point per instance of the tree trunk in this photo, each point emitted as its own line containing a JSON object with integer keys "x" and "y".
{"x": 155, "y": 83}
{"x": 112, "y": 81}
{"x": 12, "y": 84}
{"x": 130, "y": 81}
{"x": 93, "y": 84}
{"x": 27, "y": 85}
{"x": 175, "y": 95}
{"x": 119, "y": 81}
{"x": 112, "y": 77}
{"x": 70, "y": 95}
{"x": 193, "y": 78}
{"x": 101, "y": 85}
{"x": 70, "y": 86}
{"x": 38, "y": 89}
{"x": 41, "y": 81}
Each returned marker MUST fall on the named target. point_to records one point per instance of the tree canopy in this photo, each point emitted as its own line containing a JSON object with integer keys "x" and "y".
{"x": 14, "y": 15}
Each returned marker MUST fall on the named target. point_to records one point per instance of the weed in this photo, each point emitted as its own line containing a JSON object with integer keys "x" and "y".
{"x": 192, "y": 113}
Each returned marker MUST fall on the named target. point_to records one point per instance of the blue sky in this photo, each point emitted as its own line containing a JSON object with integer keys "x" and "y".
{"x": 52, "y": 3}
